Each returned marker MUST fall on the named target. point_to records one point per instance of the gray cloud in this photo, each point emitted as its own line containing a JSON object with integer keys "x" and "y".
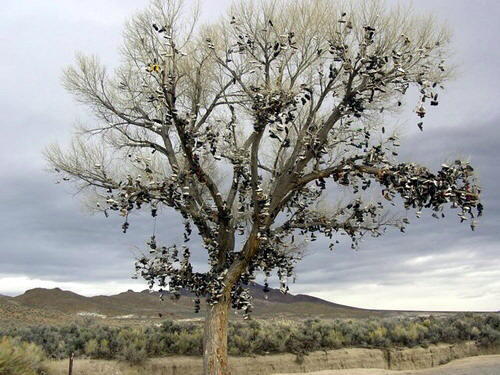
{"x": 47, "y": 227}
{"x": 45, "y": 234}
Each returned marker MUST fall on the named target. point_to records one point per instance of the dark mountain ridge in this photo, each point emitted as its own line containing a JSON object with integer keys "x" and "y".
{"x": 147, "y": 304}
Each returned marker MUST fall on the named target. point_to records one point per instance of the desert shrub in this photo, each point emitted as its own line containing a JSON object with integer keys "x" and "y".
{"x": 256, "y": 337}
{"x": 170, "y": 327}
{"x": 132, "y": 347}
{"x": 378, "y": 337}
{"x": 334, "y": 340}
{"x": 133, "y": 353}
{"x": 321, "y": 335}
{"x": 244, "y": 339}
{"x": 449, "y": 334}
{"x": 281, "y": 332}
{"x": 91, "y": 347}
{"x": 299, "y": 342}
{"x": 294, "y": 345}
{"x": 268, "y": 342}
{"x": 188, "y": 343}
{"x": 20, "y": 358}
{"x": 412, "y": 334}
{"x": 490, "y": 336}
{"x": 475, "y": 333}
{"x": 238, "y": 344}
{"x": 104, "y": 349}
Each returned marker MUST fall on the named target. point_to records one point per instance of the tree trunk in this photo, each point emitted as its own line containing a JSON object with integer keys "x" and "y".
{"x": 215, "y": 360}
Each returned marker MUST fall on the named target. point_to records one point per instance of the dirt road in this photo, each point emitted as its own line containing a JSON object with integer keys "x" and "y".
{"x": 481, "y": 365}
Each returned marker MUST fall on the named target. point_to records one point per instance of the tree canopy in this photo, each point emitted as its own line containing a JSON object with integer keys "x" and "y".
{"x": 245, "y": 124}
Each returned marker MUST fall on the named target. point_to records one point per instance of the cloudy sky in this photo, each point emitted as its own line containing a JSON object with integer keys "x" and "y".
{"x": 47, "y": 239}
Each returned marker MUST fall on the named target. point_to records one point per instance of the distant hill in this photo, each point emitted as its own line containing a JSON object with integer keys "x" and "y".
{"x": 147, "y": 305}
{"x": 15, "y": 313}
{"x": 56, "y": 299}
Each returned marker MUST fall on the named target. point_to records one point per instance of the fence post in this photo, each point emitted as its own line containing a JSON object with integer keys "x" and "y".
{"x": 70, "y": 370}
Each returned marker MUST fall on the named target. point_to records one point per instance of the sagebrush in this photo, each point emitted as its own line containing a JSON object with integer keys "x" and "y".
{"x": 20, "y": 358}
{"x": 136, "y": 344}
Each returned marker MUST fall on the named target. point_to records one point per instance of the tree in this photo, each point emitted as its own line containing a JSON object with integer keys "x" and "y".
{"x": 243, "y": 125}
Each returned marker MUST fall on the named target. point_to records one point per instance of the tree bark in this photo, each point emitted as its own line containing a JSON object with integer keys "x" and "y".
{"x": 215, "y": 361}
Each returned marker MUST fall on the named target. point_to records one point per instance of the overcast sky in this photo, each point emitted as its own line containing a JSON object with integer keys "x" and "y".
{"x": 47, "y": 239}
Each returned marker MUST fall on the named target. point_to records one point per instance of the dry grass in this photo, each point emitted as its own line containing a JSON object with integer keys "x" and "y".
{"x": 183, "y": 365}
{"x": 340, "y": 362}
{"x": 90, "y": 367}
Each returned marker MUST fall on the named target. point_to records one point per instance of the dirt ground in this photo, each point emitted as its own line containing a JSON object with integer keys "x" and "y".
{"x": 481, "y": 365}
{"x": 351, "y": 361}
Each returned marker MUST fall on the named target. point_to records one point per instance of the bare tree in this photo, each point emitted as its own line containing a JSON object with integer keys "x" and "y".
{"x": 242, "y": 125}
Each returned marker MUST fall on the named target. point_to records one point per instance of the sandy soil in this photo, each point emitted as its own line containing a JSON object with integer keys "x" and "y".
{"x": 481, "y": 365}
{"x": 353, "y": 361}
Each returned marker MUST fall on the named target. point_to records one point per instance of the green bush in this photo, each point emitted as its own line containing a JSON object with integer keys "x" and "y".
{"x": 20, "y": 358}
